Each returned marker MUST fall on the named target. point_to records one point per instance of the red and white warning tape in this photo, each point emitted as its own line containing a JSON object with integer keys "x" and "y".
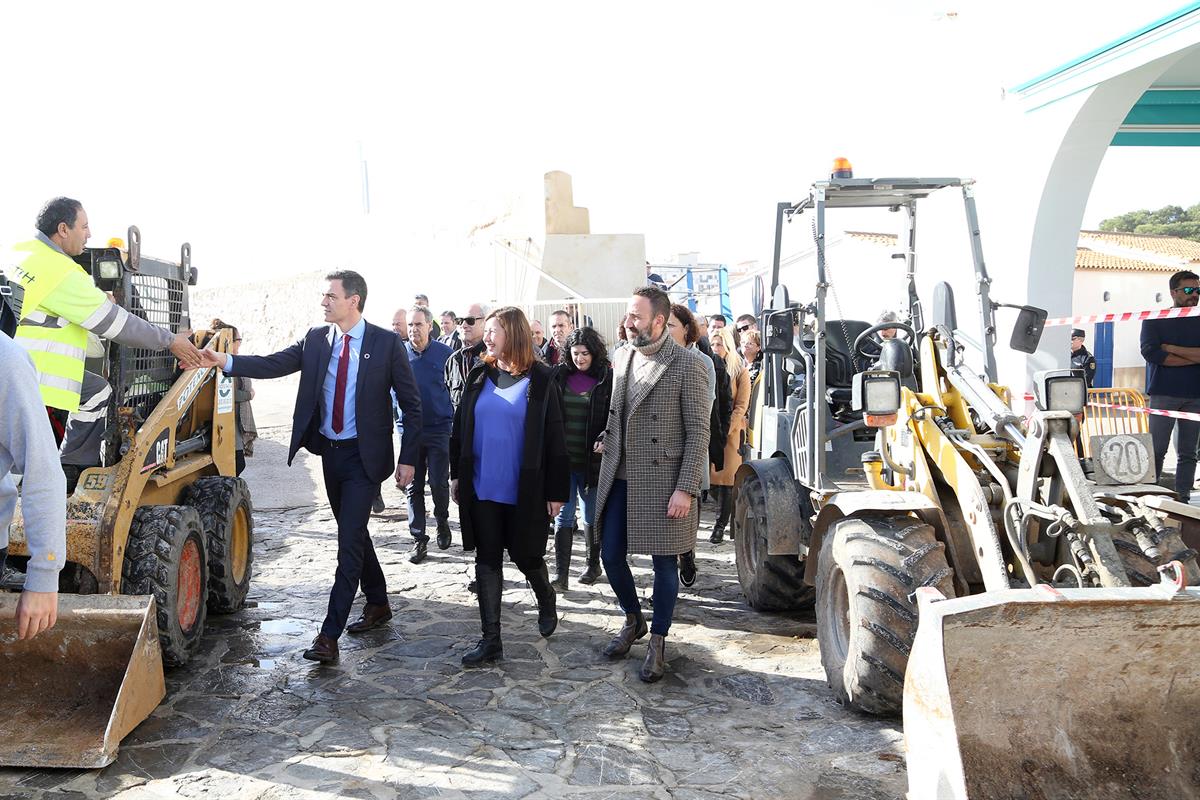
{"x": 1126, "y": 316}
{"x": 1189, "y": 415}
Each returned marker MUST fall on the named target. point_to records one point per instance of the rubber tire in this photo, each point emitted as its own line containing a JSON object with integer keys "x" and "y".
{"x": 153, "y": 552}
{"x": 1139, "y": 568}
{"x": 218, "y": 499}
{"x": 770, "y": 583}
{"x": 867, "y": 572}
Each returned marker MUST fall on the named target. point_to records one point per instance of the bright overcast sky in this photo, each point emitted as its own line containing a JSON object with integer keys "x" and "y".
{"x": 238, "y": 127}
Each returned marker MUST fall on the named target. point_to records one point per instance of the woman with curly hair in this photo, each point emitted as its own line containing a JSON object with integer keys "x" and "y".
{"x": 585, "y": 379}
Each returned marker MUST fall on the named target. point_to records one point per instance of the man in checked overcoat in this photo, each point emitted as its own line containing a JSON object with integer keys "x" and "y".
{"x": 655, "y": 455}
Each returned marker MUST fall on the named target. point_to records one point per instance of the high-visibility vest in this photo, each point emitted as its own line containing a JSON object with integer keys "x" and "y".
{"x": 58, "y": 353}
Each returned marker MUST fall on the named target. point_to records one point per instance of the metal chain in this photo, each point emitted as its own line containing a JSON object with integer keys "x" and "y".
{"x": 833, "y": 290}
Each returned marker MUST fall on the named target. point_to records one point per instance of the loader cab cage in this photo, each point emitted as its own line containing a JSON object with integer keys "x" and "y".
{"x": 156, "y": 291}
{"x": 826, "y": 355}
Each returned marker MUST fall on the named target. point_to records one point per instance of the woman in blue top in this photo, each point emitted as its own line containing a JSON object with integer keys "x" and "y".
{"x": 509, "y": 471}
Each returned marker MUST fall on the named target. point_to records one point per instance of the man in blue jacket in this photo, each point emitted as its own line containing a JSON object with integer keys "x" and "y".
{"x": 428, "y": 361}
{"x": 1171, "y": 348}
{"x": 348, "y": 371}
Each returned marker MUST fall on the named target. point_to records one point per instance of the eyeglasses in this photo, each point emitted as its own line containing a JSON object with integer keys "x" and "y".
{"x": 1188, "y": 289}
{"x": 465, "y": 320}
{"x": 743, "y": 328}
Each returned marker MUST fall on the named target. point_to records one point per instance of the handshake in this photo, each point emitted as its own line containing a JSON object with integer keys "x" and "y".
{"x": 192, "y": 357}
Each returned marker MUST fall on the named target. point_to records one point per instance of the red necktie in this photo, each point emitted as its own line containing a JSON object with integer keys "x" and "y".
{"x": 339, "y": 389}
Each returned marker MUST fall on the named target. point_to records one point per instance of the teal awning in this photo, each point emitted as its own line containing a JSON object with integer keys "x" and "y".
{"x": 1163, "y": 117}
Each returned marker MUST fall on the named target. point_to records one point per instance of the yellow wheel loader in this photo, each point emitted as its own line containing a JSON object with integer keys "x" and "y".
{"x": 158, "y": 536}
{"x": 1029, "y": 611}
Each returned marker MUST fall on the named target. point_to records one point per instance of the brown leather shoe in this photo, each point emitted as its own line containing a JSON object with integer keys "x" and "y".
{"x": 323, "y": 649}
{"x": 372, "y": 617}
{"x": 633, "y": 629}
{"x": 655, "y": 665}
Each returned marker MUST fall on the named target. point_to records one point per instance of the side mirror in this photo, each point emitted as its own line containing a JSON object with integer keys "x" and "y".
{"x": 778, "y": 338}
{"x": 1028, "y": 330}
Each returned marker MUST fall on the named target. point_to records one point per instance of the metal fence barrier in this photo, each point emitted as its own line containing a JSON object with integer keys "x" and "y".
{"x": 1100, "y": 419}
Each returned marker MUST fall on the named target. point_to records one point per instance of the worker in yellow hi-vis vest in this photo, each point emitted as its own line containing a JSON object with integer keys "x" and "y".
{"x": 60, "y": 305}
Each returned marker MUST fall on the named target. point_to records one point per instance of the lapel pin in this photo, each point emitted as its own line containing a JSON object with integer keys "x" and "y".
{"x": 366, "y": 355}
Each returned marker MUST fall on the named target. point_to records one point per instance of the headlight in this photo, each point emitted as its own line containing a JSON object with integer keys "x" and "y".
{"x": 876, "y": 393}
{"x": 1061, "y": 390}
{"x": 109, "y": 269}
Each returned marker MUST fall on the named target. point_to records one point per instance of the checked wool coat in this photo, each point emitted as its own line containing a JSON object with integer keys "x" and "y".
{"x": 665, "y": 445}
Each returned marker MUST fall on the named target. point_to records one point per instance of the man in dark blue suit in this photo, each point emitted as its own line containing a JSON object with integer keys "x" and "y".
{"x": 348, "y": 370}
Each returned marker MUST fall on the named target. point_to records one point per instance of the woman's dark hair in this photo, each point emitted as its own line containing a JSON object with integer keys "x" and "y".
{"x": 518, "y": 339}
{"x": 686, "y": 318}
{"x": 594, "y": 342}
{"x": 217, "y": 325}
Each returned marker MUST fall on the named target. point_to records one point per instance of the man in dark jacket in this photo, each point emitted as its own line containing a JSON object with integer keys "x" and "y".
{"x": 1171, "y": 348}
{"x": 428, "y": 361}
{"x": 1081, "y": 358}
{"x": 459, "y": 365}
{"x": 344, "y": 415}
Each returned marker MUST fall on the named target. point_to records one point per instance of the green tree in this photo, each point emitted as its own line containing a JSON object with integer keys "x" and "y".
{"x": 1166, "y": 221}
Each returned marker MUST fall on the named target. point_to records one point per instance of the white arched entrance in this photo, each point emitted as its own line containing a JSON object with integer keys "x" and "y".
{"x": 1141, "y": 90}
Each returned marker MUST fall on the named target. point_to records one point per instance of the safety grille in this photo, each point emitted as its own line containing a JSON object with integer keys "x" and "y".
{"x": 148, "y": 374}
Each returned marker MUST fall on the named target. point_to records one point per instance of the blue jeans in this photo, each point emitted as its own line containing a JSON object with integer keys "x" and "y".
{"x": 433, "y": 457}
{"x": 614, "y": 552}
{"x": 566, "y": 517}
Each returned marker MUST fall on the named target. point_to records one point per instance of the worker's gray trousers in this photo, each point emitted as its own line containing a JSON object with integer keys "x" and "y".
{"x": 85, "y": 427}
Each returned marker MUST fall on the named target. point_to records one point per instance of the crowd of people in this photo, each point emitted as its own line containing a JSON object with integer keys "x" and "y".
{"x": 531, "y": 435}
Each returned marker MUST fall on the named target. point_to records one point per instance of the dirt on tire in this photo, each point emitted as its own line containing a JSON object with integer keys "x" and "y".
{"x": 219, "y": 500}
{"x": 868, "y": 570}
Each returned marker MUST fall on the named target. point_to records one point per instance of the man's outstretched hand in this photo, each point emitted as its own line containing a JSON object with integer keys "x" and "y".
{"x": 183, "y": 349}
{"x": 211, "y": 358}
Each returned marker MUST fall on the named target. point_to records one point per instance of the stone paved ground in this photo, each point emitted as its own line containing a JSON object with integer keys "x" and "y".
{"x": 743, "y": 711}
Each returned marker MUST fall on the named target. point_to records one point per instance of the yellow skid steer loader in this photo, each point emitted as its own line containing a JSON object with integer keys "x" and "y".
{"x": 157, "y": 536}
{"x": 1028, "y": 610}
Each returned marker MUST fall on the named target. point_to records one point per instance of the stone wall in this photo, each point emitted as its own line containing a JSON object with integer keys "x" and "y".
{"x": 269, "y": 314}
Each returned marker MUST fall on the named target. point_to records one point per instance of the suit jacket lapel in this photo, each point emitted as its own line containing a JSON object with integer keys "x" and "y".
{"x": 324, "y": 354}
{"x": 641, "y": 389}
{"x": 364, "y": 359}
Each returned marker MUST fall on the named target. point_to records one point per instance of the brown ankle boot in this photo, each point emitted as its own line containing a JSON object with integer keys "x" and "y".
{"x": 634, "y": 629}
{"x": 655, "y": 664}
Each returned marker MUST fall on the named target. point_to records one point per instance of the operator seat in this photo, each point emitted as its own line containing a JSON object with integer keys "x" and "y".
{"x": 839, "y": 363}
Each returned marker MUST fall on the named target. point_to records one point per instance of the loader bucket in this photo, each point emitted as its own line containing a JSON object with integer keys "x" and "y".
{"x": 73, "y": 692}
{"x": 1044, "y": 693}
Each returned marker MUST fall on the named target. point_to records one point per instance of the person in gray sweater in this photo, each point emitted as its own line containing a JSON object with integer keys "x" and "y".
{"x": 27, "y": 447}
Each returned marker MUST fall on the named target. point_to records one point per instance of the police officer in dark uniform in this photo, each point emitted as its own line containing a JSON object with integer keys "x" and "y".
{"x": 1081, "y": 358}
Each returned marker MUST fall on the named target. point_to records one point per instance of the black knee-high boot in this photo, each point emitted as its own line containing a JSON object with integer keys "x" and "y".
{"x": 592, "y": 573}
{"x": 539, "y": 581}
{"x": 563, "y": 539}
{"x": 725, "y": 497}
{"x": 490, "y": 581}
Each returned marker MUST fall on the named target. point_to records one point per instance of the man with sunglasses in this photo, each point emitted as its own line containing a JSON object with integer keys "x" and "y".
{"x": 1171, "y": 348}
{"x": 459, "y": 365}
{"x": 745, "y": 323}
